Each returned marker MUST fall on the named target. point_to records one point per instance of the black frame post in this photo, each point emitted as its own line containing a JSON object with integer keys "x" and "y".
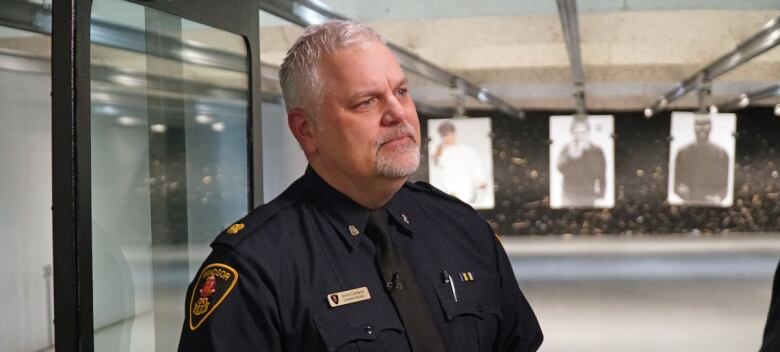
{"x": 71, "y": 181}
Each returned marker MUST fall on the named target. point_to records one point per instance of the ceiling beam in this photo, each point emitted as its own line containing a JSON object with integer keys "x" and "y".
{"x": 567, "y": 11}
{"x": 743, "y": 100}
{"x": 766, "y": 38}
{"x": 308, "y": 12}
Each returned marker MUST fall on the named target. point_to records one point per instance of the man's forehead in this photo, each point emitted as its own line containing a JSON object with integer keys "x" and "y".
{"x": 362, "y": 64}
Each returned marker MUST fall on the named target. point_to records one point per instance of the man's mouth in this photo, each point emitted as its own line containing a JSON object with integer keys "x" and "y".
{"x": 396, "y": 140}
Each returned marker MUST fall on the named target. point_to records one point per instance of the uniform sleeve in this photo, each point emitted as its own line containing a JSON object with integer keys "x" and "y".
{"x": 772, "y": 329}
{"x": 601, "y": 172}
{"x": 519, "y": 330}
{"x": 229, "y": 307}
{"x": 680, "y": 174}
{"x": 723, "y": 179}
{"x": 564, "y": 163}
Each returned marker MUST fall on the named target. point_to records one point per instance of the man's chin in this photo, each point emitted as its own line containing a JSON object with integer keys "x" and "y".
{"x": 400, "y": 166}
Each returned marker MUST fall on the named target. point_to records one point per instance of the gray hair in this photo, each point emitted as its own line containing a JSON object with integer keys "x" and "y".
{"x": 299, "y": 75}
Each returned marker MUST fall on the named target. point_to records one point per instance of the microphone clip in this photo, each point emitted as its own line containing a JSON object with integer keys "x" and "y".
{"x": 394, "y": 283}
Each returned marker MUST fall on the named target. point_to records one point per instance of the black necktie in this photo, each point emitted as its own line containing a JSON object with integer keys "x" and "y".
{"x": 402, "y": 288}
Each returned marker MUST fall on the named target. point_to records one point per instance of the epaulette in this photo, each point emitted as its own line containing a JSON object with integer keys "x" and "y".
{"x": 428, "y": 188}
{"x": 241, "y": 229}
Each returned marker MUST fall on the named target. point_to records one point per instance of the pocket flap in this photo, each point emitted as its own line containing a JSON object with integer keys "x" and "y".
{"x": 343, "y": 325}
{"x": 469, "y": 303}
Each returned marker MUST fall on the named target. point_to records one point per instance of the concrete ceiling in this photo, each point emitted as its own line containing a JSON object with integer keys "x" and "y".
{"x": 632, "y": 51}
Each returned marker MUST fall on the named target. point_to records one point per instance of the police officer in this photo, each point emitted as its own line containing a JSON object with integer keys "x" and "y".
{"x": 352, "y": 257}
{"x": 771, "y": 340}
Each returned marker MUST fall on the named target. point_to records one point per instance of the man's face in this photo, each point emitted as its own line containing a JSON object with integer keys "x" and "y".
{"x": 702, "y": 128}
{"x": 366, "y": 124}
{"x": 448, "y": 138}
{"x": 580, "y": 133}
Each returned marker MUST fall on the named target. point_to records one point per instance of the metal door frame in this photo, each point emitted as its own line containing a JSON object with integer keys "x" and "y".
{"x": 71, "y": 157}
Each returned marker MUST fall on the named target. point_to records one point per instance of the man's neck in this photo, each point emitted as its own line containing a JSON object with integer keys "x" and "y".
{"x": 371, "y": 193}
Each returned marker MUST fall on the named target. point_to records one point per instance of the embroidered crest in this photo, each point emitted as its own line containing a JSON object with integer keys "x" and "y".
{"x": 214, "y": 284}
{"x": 353, "y": 230}
{"x": 235, "y": 228}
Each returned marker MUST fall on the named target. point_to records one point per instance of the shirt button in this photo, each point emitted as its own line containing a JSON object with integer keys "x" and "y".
{"x": 369, "y": 330}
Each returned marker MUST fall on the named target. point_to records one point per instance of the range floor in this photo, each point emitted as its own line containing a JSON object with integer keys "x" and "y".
{"x": 648, "y": 294}
{"x": 637, "y": 294}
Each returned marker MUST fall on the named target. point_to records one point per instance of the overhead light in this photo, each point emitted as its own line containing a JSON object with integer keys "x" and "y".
{"x": 662, "y": 103}
{"x": 744, "y": 101}
{"x": 108, "y": 109}
{"x": 101, "y": 96}
{"x": 158, "y": 128}
{"x": 128, "y": 121}
{"x": 129, "y": 81}
{"x": 482, "y": 95}
{"x": 713, "y": 109}
{"x": 203, "y": 119}
{"x": 648, "y": 112}
{"x": 777, "y": 110}
{"x": 218, "y": 126}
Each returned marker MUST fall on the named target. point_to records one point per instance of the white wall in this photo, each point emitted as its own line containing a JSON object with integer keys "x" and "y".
{"x": 25, "y": 215}
{"x": 283, "y": 159}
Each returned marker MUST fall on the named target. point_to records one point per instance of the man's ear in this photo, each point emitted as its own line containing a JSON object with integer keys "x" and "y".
{"x": 302, "y": 127}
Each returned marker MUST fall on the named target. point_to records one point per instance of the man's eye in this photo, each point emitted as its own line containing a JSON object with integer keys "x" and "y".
{"x": 365, "y": 103}
{"x": 402, "y": 92}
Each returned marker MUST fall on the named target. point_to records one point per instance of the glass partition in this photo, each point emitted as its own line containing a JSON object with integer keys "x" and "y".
{"x": 169, "y": 164}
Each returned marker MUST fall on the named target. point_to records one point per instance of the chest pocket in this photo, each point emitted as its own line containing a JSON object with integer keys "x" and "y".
{"x": 473, "y": 319}
{"x": 365, "y": 327}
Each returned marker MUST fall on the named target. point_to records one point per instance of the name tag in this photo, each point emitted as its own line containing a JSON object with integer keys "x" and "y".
{"x": 349, "y": 296}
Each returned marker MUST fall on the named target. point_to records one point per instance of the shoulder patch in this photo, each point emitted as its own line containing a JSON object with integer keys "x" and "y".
{"x": 430, "y": 189}
{"x": 214, "y": 284}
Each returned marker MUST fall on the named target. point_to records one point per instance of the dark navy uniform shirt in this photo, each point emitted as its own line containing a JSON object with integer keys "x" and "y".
{"x": 267, "y": 283}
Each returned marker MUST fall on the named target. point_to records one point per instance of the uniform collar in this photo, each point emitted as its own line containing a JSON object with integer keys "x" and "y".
{"x": 350, "y": 218}
{"x": 406, "y": 212}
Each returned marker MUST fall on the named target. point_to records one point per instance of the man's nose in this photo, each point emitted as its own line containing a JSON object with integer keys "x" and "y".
{"x": 394, "y": 112}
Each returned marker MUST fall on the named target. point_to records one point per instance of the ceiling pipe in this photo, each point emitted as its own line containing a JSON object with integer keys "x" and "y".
{"x": 766, "y": 38}
{"x": 743, "y": 100}
{"x": 308, "y": 12}
{"x": 567, "y": 11}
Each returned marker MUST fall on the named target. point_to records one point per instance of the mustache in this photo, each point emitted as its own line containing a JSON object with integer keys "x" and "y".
{"x": 397, "y": 132}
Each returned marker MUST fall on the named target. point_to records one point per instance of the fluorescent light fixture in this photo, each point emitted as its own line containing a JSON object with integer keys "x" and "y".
{"x": 158, "y": 128}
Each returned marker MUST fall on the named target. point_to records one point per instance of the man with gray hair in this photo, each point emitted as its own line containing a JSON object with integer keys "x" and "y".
{"x": 352, "y": 256}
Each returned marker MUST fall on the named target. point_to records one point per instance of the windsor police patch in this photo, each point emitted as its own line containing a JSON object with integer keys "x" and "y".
{"x": 214, "y": 284}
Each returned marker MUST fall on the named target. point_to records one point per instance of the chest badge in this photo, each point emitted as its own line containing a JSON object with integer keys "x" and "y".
{"x": 348, "y": 297}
